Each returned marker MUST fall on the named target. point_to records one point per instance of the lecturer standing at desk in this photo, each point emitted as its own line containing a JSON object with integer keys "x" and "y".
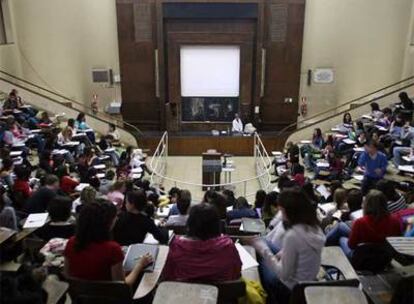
{"x": 237, "y": 125}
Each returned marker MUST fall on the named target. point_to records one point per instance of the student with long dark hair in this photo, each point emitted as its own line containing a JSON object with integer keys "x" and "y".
{"x": 300, "y": 257}
{"x": 203, "y": 254}
{"x": 91, "y": 254}
{"x": 134, "y": 224}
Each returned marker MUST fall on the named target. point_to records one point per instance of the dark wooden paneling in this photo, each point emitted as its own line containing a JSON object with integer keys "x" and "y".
{"x": 136, "y": 56}
{"x": 284, "y": 37}
{"x": 276, "y": 26}
{"x": 196, "y": 145}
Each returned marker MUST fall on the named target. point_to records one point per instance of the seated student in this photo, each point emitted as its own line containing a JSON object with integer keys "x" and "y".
{"x": 107, "y": 182}
{"x": 183, "y": 205}
{"x": 347, "y": 122}
{"x": 218, "y": 201}
{"x": 15, "y": 134}
{"x": 44, "y": 120}
{"x": 116, "y": 193}
{"x": 376, "y": 112}
{"x": 46, "y": 162}
{"x": 113, "y": 132}
{"x": 259, "y": 199}
{"x": 229, "y": 196}
{"x": 173, "y": 196}
{"x": 269, "y": 209}
{"x": 203, "y": 254}
{"x": 308, "y": 151}
{"x": 374, "y": 165}
{"x": 21, "y": 184}
{"x": 292, "y": 152}
{"x": 409, "y": 231}
{"x": 81, "y": 125}
{"x": 300, "y": 257}
{"x": 91, "y": 255}
{"x": 353, "y": 202}
{"x": 241, "y": 209}
{"x": 67, "y": 183}
{"x": 6, "y": 172}
{"x": 7, "y": 213}
{"x": 298, "y": 174}
{"x": 407, "y": 137}
{"x": 40, "y": 199}
{"x": 134, "y": 224}
{"x": 396, "y": 202}
{"x": 87, "y": 196}
{"x": 373, "y": 227}
{"x": 61, "y": 224}
{"x": 326, "y": 211}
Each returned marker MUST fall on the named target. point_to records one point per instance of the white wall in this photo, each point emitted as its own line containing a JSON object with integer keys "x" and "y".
{"x": 61, "y": 41}
{"x": 363, "y": 41}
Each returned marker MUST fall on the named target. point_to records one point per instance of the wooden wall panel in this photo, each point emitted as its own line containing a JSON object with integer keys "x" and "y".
{"x": 196, "y": 145}
{"x": 137, "y": 62}
{"x": 284, "y": 37}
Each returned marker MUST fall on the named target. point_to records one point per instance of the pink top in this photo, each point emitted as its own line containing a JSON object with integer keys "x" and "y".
{"x": 116, "y": 197}
{"x": 214, "y": 260}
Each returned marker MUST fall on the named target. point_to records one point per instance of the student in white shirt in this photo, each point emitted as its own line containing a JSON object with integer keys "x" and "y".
{"x": 237, "y": 125}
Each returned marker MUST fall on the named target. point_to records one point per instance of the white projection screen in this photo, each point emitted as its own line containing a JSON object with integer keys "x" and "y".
{"x": 210, "y": 71}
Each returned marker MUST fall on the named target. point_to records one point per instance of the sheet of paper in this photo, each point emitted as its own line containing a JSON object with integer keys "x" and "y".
{"x": 164, "y": 212}
{"x": 349, "y": 141}
{"x": 149, "y": 238}
{"x": 358, "y": 177}
{"x": 247, "y": 260}
{"x": 406, "y": 168}
{"x": 323, "y": 191}
{"x": 35, "y": 220}
{"x": 81, "y": 186}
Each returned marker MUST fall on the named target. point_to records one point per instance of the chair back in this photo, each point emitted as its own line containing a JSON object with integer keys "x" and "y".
{"x": 298, "y": 293}
{"x": 372, "y": 257}
{"x": 178, "y": 230}
{"x": 230, "y": 291}
{"x": 99, "y": 292}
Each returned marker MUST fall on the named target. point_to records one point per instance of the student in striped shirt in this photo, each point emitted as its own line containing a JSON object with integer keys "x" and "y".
{"x": 395, "y": 201}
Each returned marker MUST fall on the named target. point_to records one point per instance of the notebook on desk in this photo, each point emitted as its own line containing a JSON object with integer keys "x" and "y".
{"x": 253, "y": 225}
{"x": 135, "y": 251}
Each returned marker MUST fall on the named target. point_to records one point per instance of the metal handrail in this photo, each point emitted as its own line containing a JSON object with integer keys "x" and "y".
{"x": 345, "y": 104}
{"x": 105, "y": 118}
{"x": 162, "y": 176}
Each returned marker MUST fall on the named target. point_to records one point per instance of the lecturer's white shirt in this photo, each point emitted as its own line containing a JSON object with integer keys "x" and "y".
{"x": 237, "y": 125}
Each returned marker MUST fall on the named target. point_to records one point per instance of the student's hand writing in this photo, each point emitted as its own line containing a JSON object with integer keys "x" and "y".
{"x": 144, "y": 261}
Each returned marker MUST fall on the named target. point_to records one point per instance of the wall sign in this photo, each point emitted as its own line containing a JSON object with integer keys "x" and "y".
{"x": 323, "y": 75}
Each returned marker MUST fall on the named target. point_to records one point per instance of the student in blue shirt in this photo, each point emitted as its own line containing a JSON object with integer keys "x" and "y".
{"x": 374, "y": 163}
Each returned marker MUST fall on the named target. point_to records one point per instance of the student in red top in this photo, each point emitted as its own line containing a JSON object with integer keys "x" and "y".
{"x": 21, "y": 184}
{"x": 67, "y": 183}
{"x": 203, "y": 254}
{"x": 374, "y": 227}
{"x": 91, "y": 255}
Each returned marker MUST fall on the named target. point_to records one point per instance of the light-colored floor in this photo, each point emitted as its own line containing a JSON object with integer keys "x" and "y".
{"x": 186, "y": 171}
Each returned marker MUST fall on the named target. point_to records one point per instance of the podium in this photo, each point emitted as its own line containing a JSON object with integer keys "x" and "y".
{"x": 211, "y": 168}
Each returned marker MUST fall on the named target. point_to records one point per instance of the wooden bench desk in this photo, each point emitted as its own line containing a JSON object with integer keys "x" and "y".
{"x": 334, "y": 256}
{"x": 150, "y": 279}
{"x": 185, "y": 293}
{"x": 337, "y": 294}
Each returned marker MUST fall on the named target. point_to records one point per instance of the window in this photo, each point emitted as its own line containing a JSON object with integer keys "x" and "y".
{"x": 6, "y": 35}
